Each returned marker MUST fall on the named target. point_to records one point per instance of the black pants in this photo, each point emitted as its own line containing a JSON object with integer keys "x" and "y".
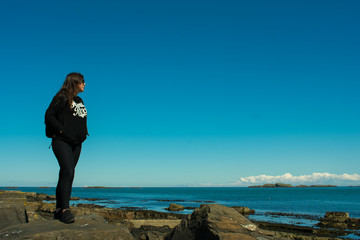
{"x": 67, "y": 155}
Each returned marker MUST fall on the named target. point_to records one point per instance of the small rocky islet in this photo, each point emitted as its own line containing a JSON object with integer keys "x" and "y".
{"x": 285, "y": 185}
{"x": 30, "y": 216}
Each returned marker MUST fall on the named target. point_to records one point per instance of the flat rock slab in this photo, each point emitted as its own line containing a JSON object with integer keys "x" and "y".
{"x": 54, "y": 229}
{"x": 12, "y": 208}
{"x": 155, "y": 223}
{"x": 10, "y": 216}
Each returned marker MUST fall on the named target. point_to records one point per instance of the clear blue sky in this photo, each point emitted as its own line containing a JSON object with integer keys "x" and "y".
{"x": 184, "y": 93}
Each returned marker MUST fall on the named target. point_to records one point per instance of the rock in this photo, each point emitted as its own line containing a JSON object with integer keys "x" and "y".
{"x": 339, "y": 220}
{"x": 175, "y": 207}
{"x": 89, "y": 205}
{"x": 12, "y": 208}
{"x": 150, "y": 232}
{"x": 12, "y": 215}
{"x": 217, "y": 222}
{"x": 155, "y": 223}
{"x": 22, "y": 217}
{"x": 14, "y": 196}
{"x": 42, "y": 196}
{"x": 336, "y": 216}
{"x": 53, "y": 229}
{"x": 244, "y": 210}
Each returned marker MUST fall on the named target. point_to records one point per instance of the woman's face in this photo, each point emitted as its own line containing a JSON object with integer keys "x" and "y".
{"x": 81, "y": 86}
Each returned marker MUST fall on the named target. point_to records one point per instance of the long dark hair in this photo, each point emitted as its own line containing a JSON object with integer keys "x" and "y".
{"x": 69, "y": 88}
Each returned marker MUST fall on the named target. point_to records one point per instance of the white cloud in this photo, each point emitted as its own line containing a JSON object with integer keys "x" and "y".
{"x": 314, "y": 178}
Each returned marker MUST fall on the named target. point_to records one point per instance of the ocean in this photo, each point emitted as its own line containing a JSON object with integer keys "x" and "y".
{"x": 299, "y": 206}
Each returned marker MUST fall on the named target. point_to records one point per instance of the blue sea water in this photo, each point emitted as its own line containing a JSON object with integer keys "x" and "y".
{"x": 265, "y": 201}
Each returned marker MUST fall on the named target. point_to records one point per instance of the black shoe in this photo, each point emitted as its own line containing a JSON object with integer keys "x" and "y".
{"x": 67, "y": 217}
{"x": 57, "y": 214}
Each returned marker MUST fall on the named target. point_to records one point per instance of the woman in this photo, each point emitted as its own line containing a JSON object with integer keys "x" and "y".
{"x": 65, "y": 121}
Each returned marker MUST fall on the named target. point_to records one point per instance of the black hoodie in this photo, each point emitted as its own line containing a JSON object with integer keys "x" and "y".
{"x": 63, "y": 122}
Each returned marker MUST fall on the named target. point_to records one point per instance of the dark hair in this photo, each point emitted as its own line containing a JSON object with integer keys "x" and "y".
{"x": 70, "y": 86}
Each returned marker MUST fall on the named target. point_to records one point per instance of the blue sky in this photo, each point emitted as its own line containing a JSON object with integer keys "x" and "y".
{"x": 185, "y": 93}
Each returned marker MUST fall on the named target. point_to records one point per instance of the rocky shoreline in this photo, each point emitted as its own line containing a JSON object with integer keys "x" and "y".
{"x": 29, "y": 216}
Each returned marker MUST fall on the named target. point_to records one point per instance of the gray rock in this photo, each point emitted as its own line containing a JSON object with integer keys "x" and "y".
{"x": 217, "y": 222}
{"x": 150, "y": 232}
{"x": 173, "y": 207}
{"x": 336, "y": 216}
{"x": 12, "y": 208}
{"x": 244, "y": 210}
{"x": 53, "y": 229}
{"x": 12, "y": 215}
{"x": 14, "y": 218}
{"x": 339, "y": 220}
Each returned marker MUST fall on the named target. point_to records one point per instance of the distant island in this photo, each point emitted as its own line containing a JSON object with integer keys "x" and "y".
{"x": 283, "y": 185}
{"x": 102, "y": 187}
